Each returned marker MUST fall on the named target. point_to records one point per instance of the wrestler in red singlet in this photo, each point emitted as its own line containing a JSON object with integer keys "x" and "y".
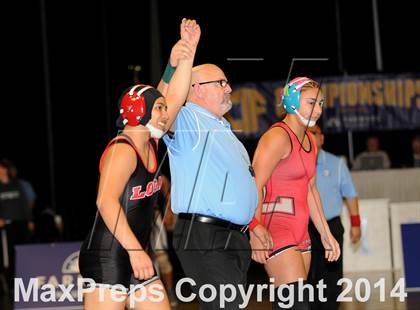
{"x": 285, "y": 210}
{"x": 284, "y": 164}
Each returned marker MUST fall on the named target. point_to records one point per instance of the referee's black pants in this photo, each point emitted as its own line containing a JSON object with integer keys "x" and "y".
{"x": 212, "y": 255}
{"x": 321, "y": 269}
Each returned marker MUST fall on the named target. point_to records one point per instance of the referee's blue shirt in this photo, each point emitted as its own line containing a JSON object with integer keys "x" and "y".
{"x": 210, "y": 168}
{"x": 334, "y": 183}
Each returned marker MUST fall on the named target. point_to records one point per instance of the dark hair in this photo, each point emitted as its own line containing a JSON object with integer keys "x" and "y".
{"x": 11, "y": 169}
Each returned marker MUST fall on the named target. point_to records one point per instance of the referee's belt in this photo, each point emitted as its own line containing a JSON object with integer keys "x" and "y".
{"x": 213, "y": 220}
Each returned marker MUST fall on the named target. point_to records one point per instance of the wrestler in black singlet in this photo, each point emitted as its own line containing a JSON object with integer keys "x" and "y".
{"x": 102, "y": 258}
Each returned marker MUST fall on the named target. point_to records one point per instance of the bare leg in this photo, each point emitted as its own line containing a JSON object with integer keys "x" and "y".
{"x": 102, "y": 299}
{"x": 165, "y": 269}
{"x": 154, "y": 297}
{"x": 307, "y": 261}
{"x": 166, "y": 276}
{"x": 286, "y": 267}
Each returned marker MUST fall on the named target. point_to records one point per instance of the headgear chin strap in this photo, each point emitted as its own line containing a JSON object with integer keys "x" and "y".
{"x": 155, "y": 132}
{"x": 136, "y": 105}
{"x": 304, "y": 121}
{"x": 291, "y": 94}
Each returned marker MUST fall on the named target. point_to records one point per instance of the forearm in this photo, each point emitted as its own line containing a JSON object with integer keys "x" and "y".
{"x": 258, "y": 211}
{"x": 163, "y": 88}
{"x": 166, "y": 78}
{"x": 178, "y": 88}
{"x": 116, "y": 221}
{"x": 352, "y": 205}
{"x": 316, "y": 211}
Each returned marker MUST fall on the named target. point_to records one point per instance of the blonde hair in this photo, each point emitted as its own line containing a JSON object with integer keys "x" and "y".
{"x": 310, "y": 85}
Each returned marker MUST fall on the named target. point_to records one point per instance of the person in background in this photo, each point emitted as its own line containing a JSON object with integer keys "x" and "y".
{"x": 415, "y": 151}
{"x": 15, "y": 216}
{"x": 29, "y": 192}
{"x": 373, "y": 157}
{"x": 334, "y": 184}
{"x": 159, "y": 239}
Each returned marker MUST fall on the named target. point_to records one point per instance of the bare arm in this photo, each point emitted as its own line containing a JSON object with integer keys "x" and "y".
{"x": 181, "y": 50}
{"x": 332, "y": 248}
{"x": 118, "y": 165}
{"x": 315, "y": 208}
{"x": 168, "y": 216}
{"x": 352, "y": 205}
{"x": 272, "y": 147}
{"x": 162, "y": 87}
{"x": 180, "y": 83}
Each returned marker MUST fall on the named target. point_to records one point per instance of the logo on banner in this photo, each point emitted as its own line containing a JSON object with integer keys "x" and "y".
{"x": 53, "y": 279}
{"x": 71, "y": 263}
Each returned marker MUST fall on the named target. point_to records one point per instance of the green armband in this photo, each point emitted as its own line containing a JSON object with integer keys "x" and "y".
{"x": 169, "y": 72}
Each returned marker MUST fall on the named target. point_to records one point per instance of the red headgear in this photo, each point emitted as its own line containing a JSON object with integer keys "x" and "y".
{"x": 136, "y": 105}
{"x": 133, "y": 106}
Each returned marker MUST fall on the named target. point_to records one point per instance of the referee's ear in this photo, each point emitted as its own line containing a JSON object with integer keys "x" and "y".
{"x": 321, "y": 138}
{"x": 318, "y": 135}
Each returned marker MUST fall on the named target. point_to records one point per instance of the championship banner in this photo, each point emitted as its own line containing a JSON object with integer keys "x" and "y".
{"x": 352, "y": 103}
{"x": 47, "y": 276}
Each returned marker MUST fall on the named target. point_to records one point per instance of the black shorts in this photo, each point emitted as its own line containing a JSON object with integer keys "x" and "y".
{"x": 107, "y": 268}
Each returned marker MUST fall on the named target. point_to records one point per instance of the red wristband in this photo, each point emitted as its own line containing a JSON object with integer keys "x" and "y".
{"x": 355, "y": 220}
{"x": 253, "y": 223}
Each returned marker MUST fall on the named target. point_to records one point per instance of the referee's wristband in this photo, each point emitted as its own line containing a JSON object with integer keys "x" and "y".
{"x": 355, "y": 220}
{"x": 169, "y": 72}
{"x": 253, "y": 223}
